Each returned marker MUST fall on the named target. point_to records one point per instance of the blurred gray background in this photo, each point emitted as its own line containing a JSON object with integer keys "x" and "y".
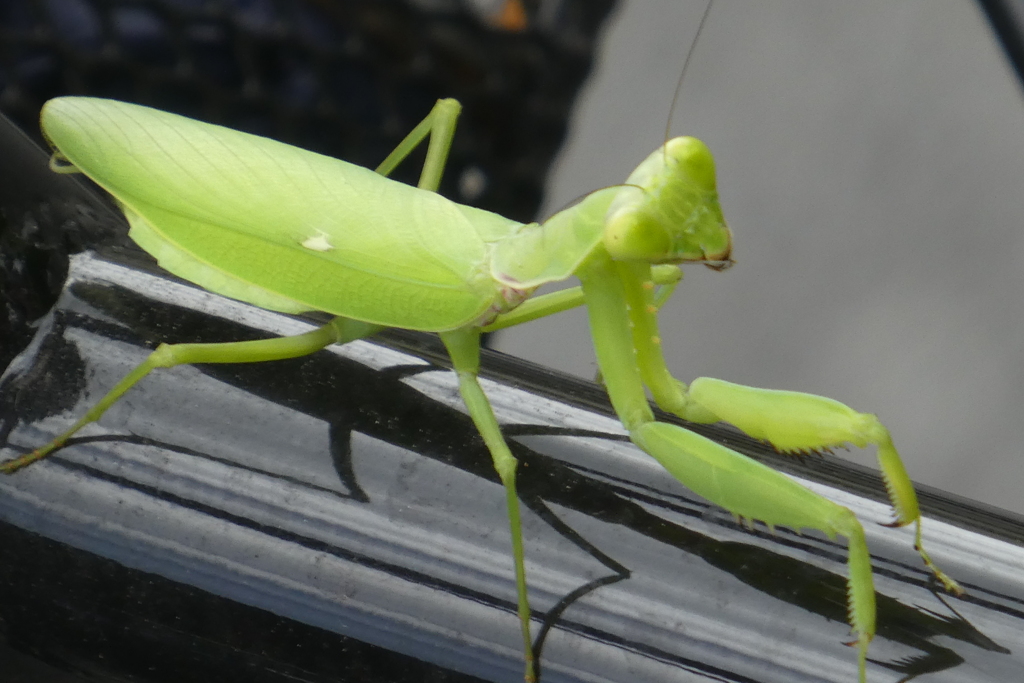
{"x": 871, "y": 166}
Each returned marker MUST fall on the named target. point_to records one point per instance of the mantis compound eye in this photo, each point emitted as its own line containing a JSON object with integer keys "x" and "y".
{"x": 633, "y": 234}
{"x": 668, "y": 210}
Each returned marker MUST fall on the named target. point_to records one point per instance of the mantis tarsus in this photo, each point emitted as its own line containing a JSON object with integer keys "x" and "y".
{"x": 293, "y": 231}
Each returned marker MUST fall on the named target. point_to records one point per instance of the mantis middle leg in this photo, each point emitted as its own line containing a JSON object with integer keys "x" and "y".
{"x": 464, "y": 349}
{"x": 664, "y": 279}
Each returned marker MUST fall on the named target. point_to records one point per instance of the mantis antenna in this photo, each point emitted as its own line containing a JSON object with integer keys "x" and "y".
{"x": 686, "y": 65}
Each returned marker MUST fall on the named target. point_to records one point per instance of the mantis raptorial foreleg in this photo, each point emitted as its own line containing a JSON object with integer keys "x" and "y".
{"x": 791, "y": 422}
{"x": 754, "y": 491}
{"x": 622, "y": 318}
{"x": 797, "y": 423}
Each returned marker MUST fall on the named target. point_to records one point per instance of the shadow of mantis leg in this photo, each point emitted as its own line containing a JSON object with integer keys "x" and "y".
{"x": 339, "y": 330}
{"x": 464, "y": 348}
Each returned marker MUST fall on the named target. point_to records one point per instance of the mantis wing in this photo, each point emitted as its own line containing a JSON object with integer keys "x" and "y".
{"x": 282, "y": 227}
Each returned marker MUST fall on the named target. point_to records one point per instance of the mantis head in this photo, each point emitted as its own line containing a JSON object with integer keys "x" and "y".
{"x": 668, "y": 210}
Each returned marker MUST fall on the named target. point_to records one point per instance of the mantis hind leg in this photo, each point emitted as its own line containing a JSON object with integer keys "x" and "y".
{"x": 439, "y": 124}
{"x": 464, "y": 348}
{"x": 339, "y": 330}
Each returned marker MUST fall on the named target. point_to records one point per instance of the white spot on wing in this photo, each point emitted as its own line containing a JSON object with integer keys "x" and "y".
{"x": 318, "y": 242}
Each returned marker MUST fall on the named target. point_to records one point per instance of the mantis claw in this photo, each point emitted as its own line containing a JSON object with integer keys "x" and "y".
{"x": 895, "y": 524}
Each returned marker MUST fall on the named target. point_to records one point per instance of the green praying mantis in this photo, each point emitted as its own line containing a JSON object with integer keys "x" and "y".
{"x": 293, "y": 231}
